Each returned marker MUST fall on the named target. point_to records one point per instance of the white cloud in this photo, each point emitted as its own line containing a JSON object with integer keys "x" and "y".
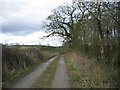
{"x": 34, "y": 38}
{"x": 26, "y": 13}
{"x": 32, "y": 10}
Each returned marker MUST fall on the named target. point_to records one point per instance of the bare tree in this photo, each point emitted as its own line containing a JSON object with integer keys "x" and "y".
{"x": 63, "y": 20}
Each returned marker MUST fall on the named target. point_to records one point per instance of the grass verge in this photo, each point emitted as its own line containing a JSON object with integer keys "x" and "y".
{"x": 45, "y": 80}
{"x": 75, "y": 75}
{"x": 94, "y": 76}
{"x": 21, "y": 73}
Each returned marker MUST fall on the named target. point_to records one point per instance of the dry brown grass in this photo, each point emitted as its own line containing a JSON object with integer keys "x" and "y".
{"x": 17, "y": 60}
{"x": 94, "y": 73}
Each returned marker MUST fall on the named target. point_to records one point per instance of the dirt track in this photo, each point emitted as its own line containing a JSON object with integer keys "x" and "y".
{"x": 61, "y": 79}
{"x": 29, "y": 79}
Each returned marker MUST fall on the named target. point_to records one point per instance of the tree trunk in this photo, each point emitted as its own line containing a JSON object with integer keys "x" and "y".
{"x": 101, "y": 39}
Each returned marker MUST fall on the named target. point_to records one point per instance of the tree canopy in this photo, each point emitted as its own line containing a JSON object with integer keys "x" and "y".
{"x": 92, "y": 27}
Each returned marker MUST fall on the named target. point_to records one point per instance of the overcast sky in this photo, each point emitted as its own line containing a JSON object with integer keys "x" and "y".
{"x": 21, "y": 21}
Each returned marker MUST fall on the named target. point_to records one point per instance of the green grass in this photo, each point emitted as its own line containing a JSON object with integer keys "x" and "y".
{"x": 43, "y": 48}
{"x": 45, "y": 80}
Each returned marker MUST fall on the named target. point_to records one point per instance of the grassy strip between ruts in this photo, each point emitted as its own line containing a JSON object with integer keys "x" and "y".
{"x": 45, "y": 80}
{"x": 21, "y": 73}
